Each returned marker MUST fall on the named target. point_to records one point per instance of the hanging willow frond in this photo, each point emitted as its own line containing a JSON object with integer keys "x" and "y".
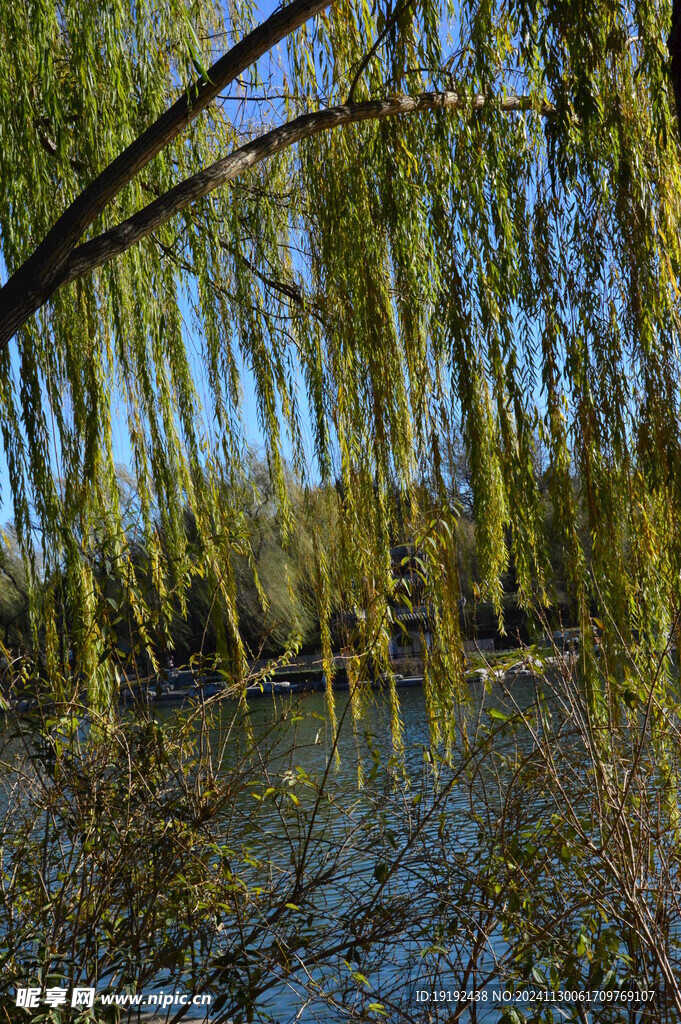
{"x": 417, "y": 226}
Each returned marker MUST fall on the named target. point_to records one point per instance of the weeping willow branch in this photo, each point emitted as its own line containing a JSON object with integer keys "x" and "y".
{"x": 117, "y": 240}
{"x": 498, "y": 306}
{"x": 32, "y": 284}
{"x": 364, "y": 63}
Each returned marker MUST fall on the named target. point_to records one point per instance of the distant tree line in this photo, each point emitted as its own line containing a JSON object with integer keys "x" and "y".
{"x": 273, "y": 575}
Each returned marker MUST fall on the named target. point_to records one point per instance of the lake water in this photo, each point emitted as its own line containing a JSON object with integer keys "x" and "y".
{"x": 403, "y": 817}
{"x": 352, "y": 896}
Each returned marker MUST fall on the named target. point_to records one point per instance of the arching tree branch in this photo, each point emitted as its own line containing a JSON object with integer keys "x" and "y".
{"x": 32, "y": 284}
{"x": 104, "y": 247}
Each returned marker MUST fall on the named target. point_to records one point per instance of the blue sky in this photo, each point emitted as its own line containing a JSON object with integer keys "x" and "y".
{"x": 122, "y": 450}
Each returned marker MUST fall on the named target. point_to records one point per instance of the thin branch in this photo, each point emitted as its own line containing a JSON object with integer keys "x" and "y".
{"x": 399, "y": 10}
{"x": 50, "y": 147}
{"x": 291, "y": 291}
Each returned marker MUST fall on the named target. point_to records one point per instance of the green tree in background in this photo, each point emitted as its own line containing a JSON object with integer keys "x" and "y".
{"x": 274, "y": 578}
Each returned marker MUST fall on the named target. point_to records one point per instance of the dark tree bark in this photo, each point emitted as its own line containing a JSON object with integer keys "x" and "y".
{"x": 33, "y": 283}
{"x": 674, "y": 47}
{"x": 92, "y": 254}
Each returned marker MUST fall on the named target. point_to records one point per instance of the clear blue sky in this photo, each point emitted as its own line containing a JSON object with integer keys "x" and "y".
{"x": 122, "y": 450}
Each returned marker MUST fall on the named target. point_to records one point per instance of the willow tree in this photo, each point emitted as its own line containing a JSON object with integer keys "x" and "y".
{"x": 413, "y": 222}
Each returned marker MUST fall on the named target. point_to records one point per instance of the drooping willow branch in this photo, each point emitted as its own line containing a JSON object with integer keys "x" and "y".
{"x": 32, "y": 284}
{"x": 117, "y": 240}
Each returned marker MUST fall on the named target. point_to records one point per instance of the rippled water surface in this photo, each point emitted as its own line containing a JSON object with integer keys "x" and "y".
{"x": 306, "y": 743}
